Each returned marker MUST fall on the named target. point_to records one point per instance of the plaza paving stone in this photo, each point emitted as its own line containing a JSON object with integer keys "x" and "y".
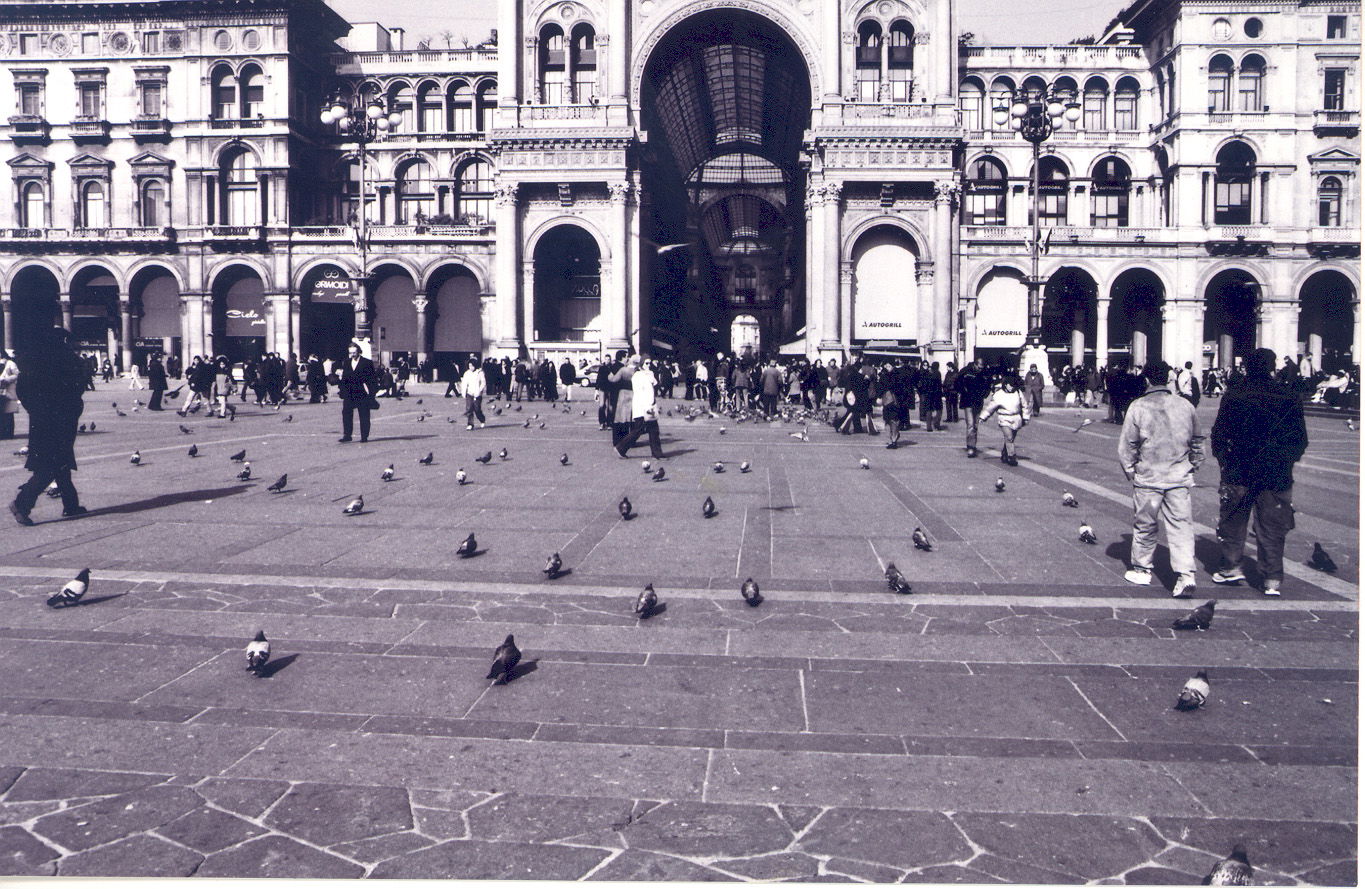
{"x": 1010, "y": 721}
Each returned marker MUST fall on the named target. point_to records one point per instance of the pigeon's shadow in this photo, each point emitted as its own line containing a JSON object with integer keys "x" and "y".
{"x": 475, "y": 554}
{"x": 789, "y": 506}
{"x": 679, "y": 452}
{"x": 273, "y": 667}
{"x": 164, "y": 500}
{"x": 657, "y": 610}
{"x": 284, "y": 491}
{"x": 562, "y": 572}
{"x": 56, "y": 601}
{"x": 521, "y": 670}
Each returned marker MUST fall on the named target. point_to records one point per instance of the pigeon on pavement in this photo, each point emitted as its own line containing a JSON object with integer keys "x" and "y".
{"x": 356, "y": 506}
{"x": 468, "y": 547}
{"x": 921, "y": 540}
{"x": 624, "y": 507}
{"x": 553, "y": 566}
{"x": 708, "y": 508}
{"x": 72, "y": 590}
{"x": 1069, "y": 499}
{"x": 279, "y": 484}
{"x": 749, "y": 590}
{"x": 1234, "y": 870}
{"x": 647, "y": 602}
{"x": 387, "y": 474}
{"x": 895, "y": 580}
{"x": 1195, "y": 693}
{"x": 238, "y": 457}
{"x": 1198, "y": 619}
{"x": 505, "y": 660}
{"x": 257, "y": 652}
{"x": 1086, "y": 534}
{"x": 1320, "y": 560}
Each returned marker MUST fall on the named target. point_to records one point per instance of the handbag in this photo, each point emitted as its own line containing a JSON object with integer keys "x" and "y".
{"x": 373, "y": 403}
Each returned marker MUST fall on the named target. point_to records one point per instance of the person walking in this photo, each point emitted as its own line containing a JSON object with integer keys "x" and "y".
{"x": 1160, "y": 448}
{"x": 624, "y": 415}
{"x": 1258, "y": 436}
{"x": 357, "y": 388}
{"x": 644, "y": 411}
{"x": 9, "y": 401}
{"x": 567, "y": 377}
{"x": 1187, "y": 384}
{"x": 134, "y": 376}
{"x": 316, "y": 380}
{"x": 931, "y": 397}
{"x": 950, "y": 392}
{"x": 1013, "y": 410}
{"x": 156, "y": 382}
{"x": 606, "y": 395}
{"x": 473, "y": 385}
{"x": 772, "y": 384}
{"x": 51, "y": 386}
{"x": 972, "y": 388}
{"x": 222, "y": 385}
{"x": 1033, "y": 386}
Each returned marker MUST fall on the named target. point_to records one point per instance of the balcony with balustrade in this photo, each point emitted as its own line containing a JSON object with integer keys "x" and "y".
{"x": 29, "y": 129}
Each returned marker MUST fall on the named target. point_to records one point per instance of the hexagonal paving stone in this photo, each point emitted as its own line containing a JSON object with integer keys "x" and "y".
{"x": 1084, "y": 845}
{"x": 140, "y": 856}
{"x": 900, "y": 839}
{"x": 327, "y": 814}
{"x": 23, "y": 854}
{"x": 277, "y": 857}
{"x": 115, "y": 817}
{"x": 709, "y": 829}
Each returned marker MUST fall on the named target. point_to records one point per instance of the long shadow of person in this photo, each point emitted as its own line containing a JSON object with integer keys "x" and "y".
{"x": 164, "y": 500}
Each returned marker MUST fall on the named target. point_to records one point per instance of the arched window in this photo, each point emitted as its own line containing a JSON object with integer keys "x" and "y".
{"x": 152, "y": 204}
{"x": 1109, "y": 189}
{"x": 401, "y": 101}
{"x": 985, "y": 198}
{"x": 900, "y": 59}
{"x": 1094, "y": 104}
{"x": 1125, "y": 105}
{"x": 584, "y": 64}
{"x": 253, "y": 93}
{"x": 92, "y": 205}
{"x": 474, "y": 193}
{"x": 1064, "y": 88}
{"x": 867, "y": 61}
{"x": 33, "y": 207}
{"x": 429, "y": 108}
{"x": 1053, "y": 187}
{"x": 461, "y": 108}
{"x": 1329, "y": 201}
{"x": 415, "y": 192}
{"x": 1220, "y": 83}
{"x": 972, "y": 101}
{"x": 224, "y": 93}
{"x": 1250, "y": 83}
{"x": 240, "y": 188}
{"x": 553, "y": 66}
{"x": 1034, "y": 89}
{"x": 1232, "y": 184}
{"x": 485, "y": 103}
{"x": 1002, "y": 95}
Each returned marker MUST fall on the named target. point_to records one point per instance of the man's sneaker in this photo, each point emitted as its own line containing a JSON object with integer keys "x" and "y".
{"x": 1139, "y": 576}
{"x": 1229, "y": 575}
{"x": 1184, "y": 586}
{"x": 1272, "y": 588}
{"x": 469, "y": 426}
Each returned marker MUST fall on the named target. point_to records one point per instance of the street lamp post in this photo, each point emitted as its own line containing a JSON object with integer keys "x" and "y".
{"x": 1034, "y": 116}
{"x": 363, "y": 123}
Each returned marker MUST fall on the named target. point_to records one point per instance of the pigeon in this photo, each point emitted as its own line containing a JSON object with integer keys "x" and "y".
{"x": 232, "y": 413}
{"x": 921, "y": 540}
{"x": 526, "y": 425}
{"x": 356, "y": 506}
{"x": 92, "y": 425}
{"x": 518, "y": 408}
{"x": 486, "y": 458}
{"x": 387, "y": 474}
{"x": 1350, "y": 425}
{"x": 1198, "y": 619}
{"x": 1084, "y": 423}
{"x": 553, "y": 566}
{"x": 289, "y": 419}
{"x": 185, "y": 429}
{"x": 647, "y": 602}
{"x": 257, "y": 653}
{"x": 1069, "y": 499}
{"x": 461, "y": 477}
{"x": 1000, "y": 484}
{"x": 505, "y": 660}
{"x": 1195, "y": 692}
{"x": 542, "y": 424}
{"x": 427, "y": 460}
{"x": 174, "y": 392}
{"x": 864, "y": 463}
{"x": 53, "y": 491}
{"x": 1086, "y": 534}
{"x": 238, "y": 457}
{"x": 659, "y": 475}
{"x": 1234, "y": 870}
{"x": 1320, "y": 560}
{"x": 279, "y": 484}
{"x": 644, "y": 466}
{"x": 136, "y": 459}
{"x": 563, "y": 459}
{"x": 419, "y": 401}
{"x": 744, "y": 467}
{"x": 803, "y": 435}
{"x": 71, "y": 592}
{"x": 502, "y": 455}
{"x": 245, "y": 474}
{"x": 722, "y": 430}
{"x": 624, "y": 507}
{"x": 468, "y": 547}
{"x": 120, "y": 413}
{"x": 535, "y": 416}
{"x": 81, "y": 429}
{"x": 749, "y": 590}
{"x": 193, "y": 451}
{"x": 708, "y": 508}
{"x": 895, "y": 580}
{"x": 719, "y": 466}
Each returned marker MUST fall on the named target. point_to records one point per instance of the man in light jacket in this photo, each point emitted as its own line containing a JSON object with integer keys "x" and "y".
{"x": 1160, "y": 448}
{"x": 472, "y": 386}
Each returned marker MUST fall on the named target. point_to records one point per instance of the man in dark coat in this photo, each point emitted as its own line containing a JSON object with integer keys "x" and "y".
{"x": 606, "y": 410}
{"x": 357, "y": 388}
{"x": 972, "y": 385}
{"x": 51, "y": 385}
{"x": 156, "y": 382}
{"x": 317, "y": 380}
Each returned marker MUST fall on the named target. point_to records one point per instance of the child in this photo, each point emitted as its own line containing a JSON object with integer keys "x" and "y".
{"x": 1013, "y": 410}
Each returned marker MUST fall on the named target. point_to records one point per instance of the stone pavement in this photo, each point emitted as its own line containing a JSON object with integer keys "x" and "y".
{"x": 1010, "y": 721}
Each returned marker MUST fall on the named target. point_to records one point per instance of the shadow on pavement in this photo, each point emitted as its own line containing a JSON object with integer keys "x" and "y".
{"x": 375, "y": 438}
{"x": 523, "y": 668}
{"x": 164, "y": 500}
{"x": 273, "y": 667}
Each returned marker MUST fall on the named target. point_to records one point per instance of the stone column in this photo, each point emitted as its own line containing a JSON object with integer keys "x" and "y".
{"x": 528, "y": 291}
{"x": 969, "y": 330}
{"x": 1101, "y": 331}
{"x": 1077, "y": 336}
{"x": 509, "y": 57}
{"x": 945, "y": 46}
{"x": 64, "y": 300}
{"x": 846, "y": 282}
{"x": 125, "y": 313}
{"x": 618, "y": 62}
{"x": 295, "y": 316}
{"x": 945, "y": 199}
{"x": 419, "y": 304}
{"x": 924, "y": 283}
{"x": 508, "y": 336}
{"x": 836, "y": 322}
{"x": 616, "y": 314}
{"x": 268, "y": 315}
{"x": 835, "y": 53}
{"x": 7, "y": 315}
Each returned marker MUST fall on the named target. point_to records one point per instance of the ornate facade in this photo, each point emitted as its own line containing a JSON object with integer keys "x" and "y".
{"x": 681, "y": 175}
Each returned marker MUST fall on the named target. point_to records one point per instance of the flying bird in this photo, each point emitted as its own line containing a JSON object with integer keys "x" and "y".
{"x": 624, "y": 507}
{"x": 505, "y": 660}
{"x": 1234, "y": 870}
{"x": 1195, "y": 692}
{"x": 1000, "y": 484}
{"x": 647, "y": 602}
{"x": 1086, "y": 534}
{"x": 502, "y": 455}
{"x": 864, "y": 463}
{"x": 257, "y": 653}
{"x": 921, "y": 540}
{"x": 659, "y": 475}
{"x": 1198, "y": 619}
{"x": 461, "y": 476}
{"x": 72, "y": 590}
{"x": 245, "y": 474}
{"x": 1069, "y": 499}
{"x": 486, "y": 458}
{"x": 1320, "y": 560}
{"x": 279, "y": 484}
{"x": 708, "y": 508}
{"x": 356, "y": 506}
{"x": 563, "y": 459}
{"x": 238, "y": 457}
{"x": 895, "y": 580}
{"x": 387, "y": 474}
{"x": 427, "y": 460}
{"x": 553, "y": 566}
{"x": 1084, "y": 423}
{"x": 194, "y": 450}
{"x": 468, "y": 547}
{"x": 744, "y": 467}
{"x": 749, "y": 590}
{"x": 136, "y": 459}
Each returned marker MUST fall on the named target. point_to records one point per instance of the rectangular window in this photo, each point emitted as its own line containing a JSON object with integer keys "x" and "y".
{"x": 986, "y": 208}
{"x": 90, "y": 44}
{"x": 151, "y": 42}
{"x": 30, "y": 99}
{"x": 1334, "y": 89}
{"x": 28, "y": 44}
{"x": 1125, "y": 111}
{"x": 90, "y": 100}
{"x": 1232, "y": 202}
{"x": 902, "y": 82}
{"x": 971, "y": 110}
{"x": 151, "y": 99}
{"x": 1329, "y": 209}
{"x": 1052, "y": 208}
{"x": 869, "y": 83}
{"x": 1110, "y": 210}
{"x": 1336, "y": 27}
{"x": 1094, "y": 112}
{"x": 1249, "y": 91}
{"x": 585, "y": 85}
{"x": 1218, "y": 91}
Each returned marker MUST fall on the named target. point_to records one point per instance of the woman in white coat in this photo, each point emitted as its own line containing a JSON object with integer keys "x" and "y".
{"x": 644, "y": 411}
{"x": 1011, "y": 411}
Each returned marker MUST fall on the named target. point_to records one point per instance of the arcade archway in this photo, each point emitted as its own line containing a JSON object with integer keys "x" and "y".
{"x": 1136, "y": 300}
{"x": 1327, "y": 319}
{"x": 95, "y": 318}
{"x": 34, "y": 304}
{"x": 1231, "y": 310}
{"x": 327, "y": 313}
{"x": 239, "y": 314}
{"x": 1069, "y": 315}
{"x": 568, "y": 287}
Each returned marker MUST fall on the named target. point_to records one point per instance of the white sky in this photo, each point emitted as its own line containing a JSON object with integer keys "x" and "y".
{"x": 993, "y": 21}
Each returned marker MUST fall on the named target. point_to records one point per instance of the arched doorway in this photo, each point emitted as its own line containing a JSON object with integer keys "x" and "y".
{"x": 238, "y": 314}
{"x": 34, "y": 304}
{"x": 568, "y": 287}
{"x": 1231, "y": 309}
{"x": 394, "y": 322}
{"x": 726, "y": 98}
{"x": 95, "y": 319}
{"x": 1001, "y": 314}
{"x": 885, "y": 293}
{"x": 454, "y": 319}
{"x": 1069, "y": 316}
{"x": 1136, "y": 300}
{"x": 156, "y": 300}
{"x": 1327, "y": 320}
{"x": 327, "y": 313}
